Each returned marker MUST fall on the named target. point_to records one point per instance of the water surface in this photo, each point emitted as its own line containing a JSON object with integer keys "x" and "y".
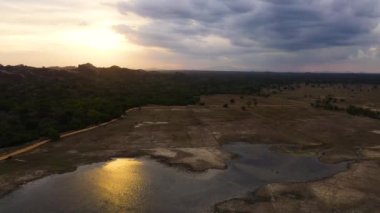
{"x": 144, "y": 185}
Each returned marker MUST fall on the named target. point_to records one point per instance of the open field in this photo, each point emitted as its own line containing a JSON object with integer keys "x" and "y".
{"x": 187, "y": 135}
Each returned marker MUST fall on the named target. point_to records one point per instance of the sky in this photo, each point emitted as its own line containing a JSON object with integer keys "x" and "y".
{"x": 244, "y": 35}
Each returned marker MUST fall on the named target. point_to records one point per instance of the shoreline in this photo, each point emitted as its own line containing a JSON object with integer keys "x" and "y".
{"x": 338, "y": 191}
{"x": 171, "y": 161}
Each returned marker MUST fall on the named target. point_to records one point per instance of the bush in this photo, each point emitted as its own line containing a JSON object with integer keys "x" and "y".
{"x": 358, "y": 111}
{"x": 52, "y": 134}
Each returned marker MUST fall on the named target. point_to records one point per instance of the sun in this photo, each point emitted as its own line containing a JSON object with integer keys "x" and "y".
{"x": 105, "y": 40}
{"x": 98, "y": 39}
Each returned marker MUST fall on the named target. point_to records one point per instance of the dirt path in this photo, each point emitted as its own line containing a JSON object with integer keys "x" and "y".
{"x": 41, "y": 143}
{"x": 23, "y": 150}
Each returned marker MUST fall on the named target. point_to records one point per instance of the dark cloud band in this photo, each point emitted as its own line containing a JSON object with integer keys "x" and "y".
{"x": 254, "y": 26}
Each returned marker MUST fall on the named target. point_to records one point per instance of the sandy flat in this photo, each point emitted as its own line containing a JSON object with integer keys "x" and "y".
{"x": 197, "y": 159}
{"x": 148, "y": 123}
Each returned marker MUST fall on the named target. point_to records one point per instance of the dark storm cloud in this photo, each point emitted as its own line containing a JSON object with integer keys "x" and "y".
{"x": 298, "y": 27}
{"x": 279, "y": 24}
{"x": 204, "y": 11}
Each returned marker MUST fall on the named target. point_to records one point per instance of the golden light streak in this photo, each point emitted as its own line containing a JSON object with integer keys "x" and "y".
{"x": 120, "y": 182}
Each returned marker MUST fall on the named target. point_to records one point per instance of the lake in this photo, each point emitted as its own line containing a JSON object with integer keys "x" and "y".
{"x": 145, "y": 185}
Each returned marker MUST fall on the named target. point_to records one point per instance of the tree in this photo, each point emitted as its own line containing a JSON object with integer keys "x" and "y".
{"x": 52, "y": 134}
{"x": 255, "y": 102}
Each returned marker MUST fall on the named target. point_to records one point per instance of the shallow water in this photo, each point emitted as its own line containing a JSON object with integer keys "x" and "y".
{"x": 144, "y": 185}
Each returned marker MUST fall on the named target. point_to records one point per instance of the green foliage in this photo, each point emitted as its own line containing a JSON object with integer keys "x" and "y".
{"x": 42, "y": 102}
{"x": 359, "y": 111}
{"x": 327, "y": 103}
{"x": 52, "y": 134}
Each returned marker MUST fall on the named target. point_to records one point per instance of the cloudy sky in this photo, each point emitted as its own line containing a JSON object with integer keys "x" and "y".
{"x": 277, "y": 35}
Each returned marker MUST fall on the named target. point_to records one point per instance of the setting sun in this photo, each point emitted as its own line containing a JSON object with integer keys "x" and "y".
{"x": 100, "y": 39}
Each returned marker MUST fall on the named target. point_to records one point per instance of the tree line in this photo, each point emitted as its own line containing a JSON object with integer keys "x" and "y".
{"x": 42, "y": 102}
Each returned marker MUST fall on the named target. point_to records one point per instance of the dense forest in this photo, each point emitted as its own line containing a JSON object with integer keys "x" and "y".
{"x": 41, "y": 102}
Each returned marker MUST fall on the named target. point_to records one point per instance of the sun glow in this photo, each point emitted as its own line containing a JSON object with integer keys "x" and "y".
{"x": 99, "y": 39}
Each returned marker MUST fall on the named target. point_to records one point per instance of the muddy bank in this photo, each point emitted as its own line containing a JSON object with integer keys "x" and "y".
{"x": 194, "y": 159}
{"x": 355, "y": 190}
{"x": 197, "y": 159}
{"x": 145, "y": 185}
{"x": 12, "y": 182}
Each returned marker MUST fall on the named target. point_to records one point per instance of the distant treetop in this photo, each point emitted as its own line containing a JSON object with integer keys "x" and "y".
{"x": 86, "y": 68}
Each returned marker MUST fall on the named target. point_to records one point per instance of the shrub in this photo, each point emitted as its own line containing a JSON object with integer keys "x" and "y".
{"x": 52, "y": 134}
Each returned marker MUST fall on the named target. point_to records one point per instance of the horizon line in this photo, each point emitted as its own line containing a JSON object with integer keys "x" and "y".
{"x": 199, "y": 70}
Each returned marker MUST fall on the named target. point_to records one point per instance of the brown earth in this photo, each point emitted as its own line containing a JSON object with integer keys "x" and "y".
{"x": 190, "y": 136}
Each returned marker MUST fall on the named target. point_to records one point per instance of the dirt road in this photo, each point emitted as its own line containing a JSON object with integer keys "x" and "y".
{"x": 41, "y": 143}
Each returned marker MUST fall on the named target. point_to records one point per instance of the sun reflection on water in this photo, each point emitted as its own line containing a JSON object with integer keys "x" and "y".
{"x": 121, "y": 183}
